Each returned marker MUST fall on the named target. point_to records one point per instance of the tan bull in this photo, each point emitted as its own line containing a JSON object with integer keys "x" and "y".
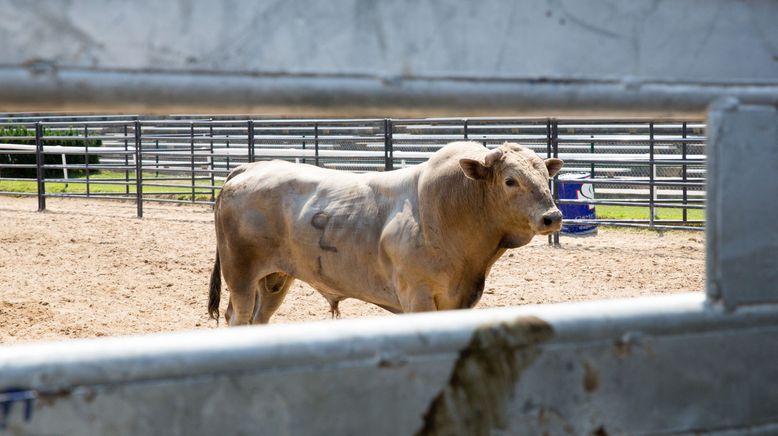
{"x": 416, "y": 239}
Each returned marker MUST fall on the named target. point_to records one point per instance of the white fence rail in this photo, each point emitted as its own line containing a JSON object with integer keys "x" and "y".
{"x": 634, "y": 163}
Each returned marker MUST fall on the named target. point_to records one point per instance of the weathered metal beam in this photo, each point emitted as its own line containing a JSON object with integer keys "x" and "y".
{"x": 672, "y": 364}
{"x": 404, "y": 58}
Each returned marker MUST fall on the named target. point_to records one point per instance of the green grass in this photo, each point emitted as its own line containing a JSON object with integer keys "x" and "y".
{"x": 182, "y": 193}
{"x": 662, "y": 213}
{"x": 603, "y": 211}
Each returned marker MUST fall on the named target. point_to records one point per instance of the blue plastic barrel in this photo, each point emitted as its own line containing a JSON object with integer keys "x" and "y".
{"x": 570, "y": 190}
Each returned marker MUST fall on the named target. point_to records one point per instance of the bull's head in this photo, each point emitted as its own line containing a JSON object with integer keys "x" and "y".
{"x": 517, "y": 180}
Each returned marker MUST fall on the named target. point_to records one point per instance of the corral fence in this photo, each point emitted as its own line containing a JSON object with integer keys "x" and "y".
{"x": 656, "y": 168}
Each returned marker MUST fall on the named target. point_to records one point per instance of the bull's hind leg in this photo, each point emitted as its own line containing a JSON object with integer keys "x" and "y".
{"x": 243, "y": 295}
{"x": 271, "y": 293}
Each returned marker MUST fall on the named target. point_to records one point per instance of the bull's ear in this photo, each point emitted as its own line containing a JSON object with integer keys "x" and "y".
{"x": 553, "y": 165}
{"x": 473, "y": 169}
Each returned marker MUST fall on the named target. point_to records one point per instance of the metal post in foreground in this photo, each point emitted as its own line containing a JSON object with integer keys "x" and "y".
{"x": 742, "y": 207}
{"x": 589, "y": 368}
{"x": 40, "y": 166}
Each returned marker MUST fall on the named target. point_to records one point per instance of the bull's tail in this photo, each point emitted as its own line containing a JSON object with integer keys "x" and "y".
{"x": 215, "y": 295}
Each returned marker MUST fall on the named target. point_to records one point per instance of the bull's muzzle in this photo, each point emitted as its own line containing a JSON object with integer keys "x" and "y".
{"x": 551, "y": 221}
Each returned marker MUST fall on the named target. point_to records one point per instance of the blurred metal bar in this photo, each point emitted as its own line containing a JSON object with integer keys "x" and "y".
{"x": 579, "y": 368}
{"x": 142, "y": 92}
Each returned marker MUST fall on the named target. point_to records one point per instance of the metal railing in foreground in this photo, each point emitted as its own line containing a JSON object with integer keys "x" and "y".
{"x": 552, "y": 369}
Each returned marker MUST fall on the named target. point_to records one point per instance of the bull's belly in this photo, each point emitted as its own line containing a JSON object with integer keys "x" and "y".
{"x": 346, "y": 276}
{"x": 342, "y": 262}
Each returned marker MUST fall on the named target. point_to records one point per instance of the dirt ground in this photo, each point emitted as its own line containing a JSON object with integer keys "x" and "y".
{"x": 90, "y": 268}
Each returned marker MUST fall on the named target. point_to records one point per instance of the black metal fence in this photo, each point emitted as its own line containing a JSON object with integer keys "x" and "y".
{"x": 654, "y": 167}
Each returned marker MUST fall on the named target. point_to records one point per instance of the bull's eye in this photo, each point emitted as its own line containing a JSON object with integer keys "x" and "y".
{"x": 510, "y": 182}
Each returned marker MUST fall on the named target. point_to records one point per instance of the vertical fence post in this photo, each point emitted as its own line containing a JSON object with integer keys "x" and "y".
{"x": 555, "y": 146}
{"x": 683, "y": 172}
{"x": 651, "y": 170}
{"x": 86, "y": 157}
{"x": 192, "y": 158}
{"x": 591, "y": 151}
{"x": 126, "y": 164}
{"x": 303, "y": 148}
{"x": 227, "y": 145}
{"x": 388, "y": 145}
{"x": 316, "y": 143}
{"x": 211, "y": 161}
{"x": 548, "y": 155}
{"x": 465, "y": 133}
{"x": 156, "y": 158}
{"x": 138, "y": 169}
{"x": 250, "y": 139}
{"x": 39, "y": 166}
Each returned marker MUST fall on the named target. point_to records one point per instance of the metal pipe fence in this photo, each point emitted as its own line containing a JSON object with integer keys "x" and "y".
{"x": 654, "y": 167}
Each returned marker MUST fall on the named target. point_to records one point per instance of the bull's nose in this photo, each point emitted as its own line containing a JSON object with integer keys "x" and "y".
{"x": 553, "y": 218}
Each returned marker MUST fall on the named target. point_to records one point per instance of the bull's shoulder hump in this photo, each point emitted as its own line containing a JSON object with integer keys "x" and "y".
{"x": 277, "y": 174}
{"x": 270, "y": 168}
{"x": 284, "y": 176}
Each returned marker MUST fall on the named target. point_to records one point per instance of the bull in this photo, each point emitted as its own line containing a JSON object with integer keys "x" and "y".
{"x": 417, "y": 239}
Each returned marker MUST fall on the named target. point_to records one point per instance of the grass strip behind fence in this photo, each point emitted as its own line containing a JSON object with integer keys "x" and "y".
{"x": 185, "y": 193}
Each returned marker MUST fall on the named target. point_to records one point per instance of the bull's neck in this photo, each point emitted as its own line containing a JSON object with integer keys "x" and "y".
{"x": 451, "y": 204}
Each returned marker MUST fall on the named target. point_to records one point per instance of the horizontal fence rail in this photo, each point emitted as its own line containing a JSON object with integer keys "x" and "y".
{"x": 656, "y": 169}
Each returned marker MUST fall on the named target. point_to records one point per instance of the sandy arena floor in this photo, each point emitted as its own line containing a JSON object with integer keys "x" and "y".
{"x": 90, "y": 268}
